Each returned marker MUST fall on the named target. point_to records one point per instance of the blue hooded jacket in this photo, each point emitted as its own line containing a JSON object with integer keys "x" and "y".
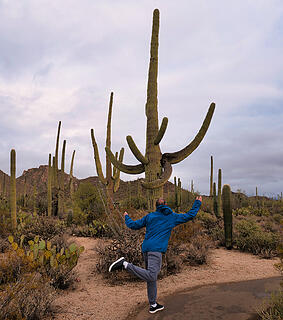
{"x": 159, "y": 225}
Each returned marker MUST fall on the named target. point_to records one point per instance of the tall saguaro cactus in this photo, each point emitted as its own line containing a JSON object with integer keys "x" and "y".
{"x": 227, "y": 213}
{"x": 112, "y": 178}
{"x": 156, "y": 165}
{"x": 211, "y": 176}
{"x": 13, "y": 200}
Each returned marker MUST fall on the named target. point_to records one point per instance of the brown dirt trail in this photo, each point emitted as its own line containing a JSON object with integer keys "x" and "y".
{"x": 93, "y": 298}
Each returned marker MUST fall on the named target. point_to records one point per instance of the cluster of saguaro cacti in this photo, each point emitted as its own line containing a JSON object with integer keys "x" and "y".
{"x": 227, "y": 215}
{"x": 56, "y": 181}
{"x": 112, "y": 178}
{"x": 13, "y": 196}
{"x": 157, "y": 166}
{"x": 178, "y": 193}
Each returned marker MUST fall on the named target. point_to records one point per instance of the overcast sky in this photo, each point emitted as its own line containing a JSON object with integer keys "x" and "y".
{"x": 59, "y": 60}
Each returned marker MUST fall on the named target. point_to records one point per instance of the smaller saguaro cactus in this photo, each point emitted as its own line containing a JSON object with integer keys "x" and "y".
{"x": 178, "y": 196}
{"x": 192, "y": 187}
{"x": 13, "y": 197}
{"x": 215, "y": 203}
{"x": 227, "y": 214}
{"x": 71, "y": 175}
{"x": 111, "y": 180}
{"x": 49, "y": 188}
{"x": 211, "y": 176}
{"x": 219, "y": 192}
{"x": 61, "y": 194}
{"x": 256, "y": 194}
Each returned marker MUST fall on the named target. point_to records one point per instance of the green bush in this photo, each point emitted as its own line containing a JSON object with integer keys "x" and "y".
{"x": 88, "y": 200}
{"x": 207, "y": 220}
{"x": 249, "y": 236}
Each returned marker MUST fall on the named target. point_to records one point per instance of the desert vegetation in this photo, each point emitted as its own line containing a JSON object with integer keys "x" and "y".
{"x": 40, "y": 210}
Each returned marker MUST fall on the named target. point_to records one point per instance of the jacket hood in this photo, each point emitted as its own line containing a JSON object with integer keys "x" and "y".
{"x": 164, "y": 209}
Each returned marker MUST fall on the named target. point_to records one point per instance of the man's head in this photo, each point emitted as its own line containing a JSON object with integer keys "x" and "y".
{"x": 160, "y": 202}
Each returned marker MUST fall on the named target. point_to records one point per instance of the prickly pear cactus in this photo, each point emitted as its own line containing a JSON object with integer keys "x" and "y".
{"x": 156, "y": 165}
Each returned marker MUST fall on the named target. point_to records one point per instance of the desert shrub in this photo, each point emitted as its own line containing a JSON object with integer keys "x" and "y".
{"x": 249, "y": 236}
{"x": 273, "y": 308}
{"x": 45, "y": 227}
{"x": 78, "y": 217}
{"x": 96, "y": 229}
{"x": 184, "y": 232}
{"x": 4, "y": 245}
{"x": 29, "y": 297}
{"x": 128, "y": 246}
{"x": 196, "y": 252}
{"x": 208, "y": 221}
{"x": 277, "y": 218}
{"x": 88, "y": 200}
{"x": 243, "y": 211}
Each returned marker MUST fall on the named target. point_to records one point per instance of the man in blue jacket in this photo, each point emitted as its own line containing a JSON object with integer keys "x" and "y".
{"x": 159, "y": 225}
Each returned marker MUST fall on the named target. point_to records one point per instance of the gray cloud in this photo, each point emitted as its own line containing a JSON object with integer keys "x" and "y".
{"x": 60, "y": 61}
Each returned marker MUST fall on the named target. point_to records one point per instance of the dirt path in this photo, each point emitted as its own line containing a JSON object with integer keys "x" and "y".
{"x": 93, "y": 299}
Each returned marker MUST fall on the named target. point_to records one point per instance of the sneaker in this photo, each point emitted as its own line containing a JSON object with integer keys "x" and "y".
{"x": 158, "y": 307}
{"x": 116, "y": 265}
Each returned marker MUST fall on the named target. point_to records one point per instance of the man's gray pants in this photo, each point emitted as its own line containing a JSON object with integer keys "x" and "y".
{"x": 153, "y": 262}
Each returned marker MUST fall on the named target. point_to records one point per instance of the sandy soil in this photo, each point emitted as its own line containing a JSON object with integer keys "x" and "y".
{"x": 93, "y": 298}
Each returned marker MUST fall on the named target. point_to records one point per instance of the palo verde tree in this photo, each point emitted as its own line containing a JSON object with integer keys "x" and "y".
{"x": 156, "y": 165}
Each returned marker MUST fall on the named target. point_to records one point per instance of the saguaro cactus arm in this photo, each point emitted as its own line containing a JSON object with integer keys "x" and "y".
{"x": 161, "y": 131}
{"x": 136, "y": 151}
{"x": 116, "y": 177}
{"x": 97, "y": 159}
{"x": 116, "y": 173}
{"x": 164, "y": 177}
{"x": 178, "y": 156}
{"x": 131, "y": 169}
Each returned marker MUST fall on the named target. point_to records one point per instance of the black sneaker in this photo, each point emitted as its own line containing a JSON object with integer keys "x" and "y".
{"x": 158, "y": 307}
{"x": 116, "y": 265}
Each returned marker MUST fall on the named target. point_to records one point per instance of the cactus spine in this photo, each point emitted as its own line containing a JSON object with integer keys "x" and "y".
{"x": 13, "y": 201}
{"x": 49, "y": 188}
{"x": 157, "y": 166}
{"x": 219, "y": 193}
{"x": 227, "y": 214}
{"x": 112, "y": 179}
{"x": 211, "y": 176}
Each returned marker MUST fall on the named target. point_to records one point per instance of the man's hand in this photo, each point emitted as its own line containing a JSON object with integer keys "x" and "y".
{"x": 199, "y": 198}
{"x": 125, "y": 214}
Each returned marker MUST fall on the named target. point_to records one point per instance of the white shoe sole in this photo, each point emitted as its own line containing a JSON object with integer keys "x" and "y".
{"x": 156, "y": 310}
{"x": 110, "y": 268}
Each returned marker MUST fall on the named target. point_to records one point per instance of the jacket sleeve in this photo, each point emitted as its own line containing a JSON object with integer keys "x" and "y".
{"x": 135, "y": 225}
{"x": 185, "y": 217}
